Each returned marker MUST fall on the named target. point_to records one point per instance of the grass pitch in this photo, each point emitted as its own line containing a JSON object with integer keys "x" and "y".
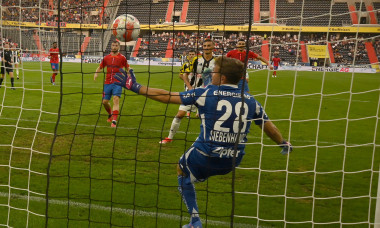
{"x": 101, "y": 176}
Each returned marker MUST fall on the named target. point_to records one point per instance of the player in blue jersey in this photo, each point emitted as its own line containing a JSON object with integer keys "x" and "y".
{"x": 220, "y": 105}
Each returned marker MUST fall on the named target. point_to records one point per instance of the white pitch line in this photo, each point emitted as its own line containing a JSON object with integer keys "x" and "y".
{"x": 128, "y": 212}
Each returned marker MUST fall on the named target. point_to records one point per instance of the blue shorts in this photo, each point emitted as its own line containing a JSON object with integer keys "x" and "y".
{"x": 246, "y": 89}
{"x": 111, "y": 90}
{"x": 200, "y": 166}
{"x": 54, "y": 66}
{"x": 275, "y": 67}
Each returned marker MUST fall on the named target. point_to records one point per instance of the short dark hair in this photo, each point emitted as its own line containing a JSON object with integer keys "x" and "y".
{"x": 54, "y": 42}
{"x": 115, "y": 41}
{"x": 191, "y": 50}
{"x": 241, "y": 39}
{"x": 232, "y": 69}
{"x": 208, "y": 40}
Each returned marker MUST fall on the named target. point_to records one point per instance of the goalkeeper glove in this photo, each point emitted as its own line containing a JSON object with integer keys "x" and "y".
{"x": 128, "y": 82}
{"x": 286, "y": 147}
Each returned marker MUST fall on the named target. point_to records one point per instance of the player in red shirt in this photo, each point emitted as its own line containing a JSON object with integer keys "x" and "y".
{"x": 113, "y": 62}
{"x": 276, "y": 60}
{"x": 54, "y": 61}
{"x": 240, "y": 53}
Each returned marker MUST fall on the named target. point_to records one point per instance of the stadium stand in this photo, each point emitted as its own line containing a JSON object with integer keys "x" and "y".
{"x": 315, "y": 13}
{"x": 233, "y": 7}
{"x": 138, "y": 8}
{"x": 154, "y": 45}
{"x": 95, "y": 45}
{"x": 376, "y": 6}
{"x": 206, "y": 12}
{"x": 360, "y": 8}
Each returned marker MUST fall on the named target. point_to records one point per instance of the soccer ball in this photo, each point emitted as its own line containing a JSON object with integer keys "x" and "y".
{"x": 126, "y": 28}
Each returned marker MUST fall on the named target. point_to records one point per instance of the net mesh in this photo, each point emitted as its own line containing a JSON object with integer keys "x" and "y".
{"x": 61, "y": 164}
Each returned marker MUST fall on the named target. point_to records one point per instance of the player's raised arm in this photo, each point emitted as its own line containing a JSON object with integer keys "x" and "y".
{"x": 130, "y": 83}
{"x": 259, "y": 57}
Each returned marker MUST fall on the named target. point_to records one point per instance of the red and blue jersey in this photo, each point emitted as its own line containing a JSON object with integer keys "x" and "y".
{"x": 240, "y": 55}
{"x": 113, "y": 64}
{"x": 54, "y": 52}
{"x": 276, "y": 61}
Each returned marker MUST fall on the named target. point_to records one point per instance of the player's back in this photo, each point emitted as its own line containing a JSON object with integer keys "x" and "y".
{"x": 54, "y": 52}
{"x": 219, "y": 109}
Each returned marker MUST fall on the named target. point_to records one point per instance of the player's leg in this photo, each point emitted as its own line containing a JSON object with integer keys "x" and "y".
{"x": 107, "y": 94}
{"x": 54, "y": 67}
{"x": 116, "y": 92}
{"x": 2, "y": 72}
{"x": 275, "y": 71}
{"x": 17, "y": 71}
{"x": 186, "y": 188}
{"x": 183, "y": 109}
{"x": 10, "y": 72}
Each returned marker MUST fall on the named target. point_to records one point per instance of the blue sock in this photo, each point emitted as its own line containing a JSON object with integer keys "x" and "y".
{"x": 187, "y": 190}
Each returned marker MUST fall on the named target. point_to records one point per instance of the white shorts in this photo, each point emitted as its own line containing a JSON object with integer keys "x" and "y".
{"x": 188, "y": 108}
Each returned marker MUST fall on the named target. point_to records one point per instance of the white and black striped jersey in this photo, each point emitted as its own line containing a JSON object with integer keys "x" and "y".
{"x": 16, "y": 56}
{"x": 200, "y": 65}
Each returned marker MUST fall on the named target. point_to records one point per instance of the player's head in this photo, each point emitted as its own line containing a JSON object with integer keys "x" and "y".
{"x": 208, "y": 46}
{"x": 191, "y": 54}
{"x": 6, "y": 45}
{"x": 240, "y": 45}
{"x": 54, "y": 44}
{"x": 115, "y": 46}
{"x": 227, "y": 71}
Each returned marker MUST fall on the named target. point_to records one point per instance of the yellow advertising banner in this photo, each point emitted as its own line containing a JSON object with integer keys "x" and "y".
{"x": 189, "y": 27}
{"x": 317, "y": 51}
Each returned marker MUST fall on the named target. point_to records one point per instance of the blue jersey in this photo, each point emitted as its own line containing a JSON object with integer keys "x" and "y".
{"x": 219, "y": 109}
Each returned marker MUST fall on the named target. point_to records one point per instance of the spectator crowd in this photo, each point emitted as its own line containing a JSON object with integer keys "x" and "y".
{"x": 287, "y": 45}
{"x": 71, "y": 11}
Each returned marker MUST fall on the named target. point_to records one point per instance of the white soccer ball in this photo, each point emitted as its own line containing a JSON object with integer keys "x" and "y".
{"x": 126, "y": 28}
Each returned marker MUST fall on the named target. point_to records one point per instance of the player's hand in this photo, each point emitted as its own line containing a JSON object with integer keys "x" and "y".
{"x": 270, "y": 67}
{"x": 127, "y": 81}
{"x": 286, "y": 147}
{"x": 95, "y": 76}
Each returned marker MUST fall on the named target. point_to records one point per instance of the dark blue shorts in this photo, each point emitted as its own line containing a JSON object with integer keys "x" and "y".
{"x": 111, "y": 90}
{"x": 54, "y": 66}
{"x": 246, "y": 89}
{"x": 199, "y": 166}
{"x": 275, "y": 67}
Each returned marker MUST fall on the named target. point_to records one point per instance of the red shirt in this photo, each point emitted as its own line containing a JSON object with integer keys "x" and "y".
{"x": 113, "y": 64}
{"x": 240, "y": 55}
{"x": 54, "y": 52}
{"x": 276, "y": 61}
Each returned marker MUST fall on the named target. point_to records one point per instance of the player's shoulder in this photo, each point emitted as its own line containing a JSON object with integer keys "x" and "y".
{"x": 121, "y": 56}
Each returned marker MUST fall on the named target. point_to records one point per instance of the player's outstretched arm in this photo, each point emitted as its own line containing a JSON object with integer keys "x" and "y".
{"x": 272, "y": 132}
{"x": 265, "y": 61}
{"x": 129, "y": 82}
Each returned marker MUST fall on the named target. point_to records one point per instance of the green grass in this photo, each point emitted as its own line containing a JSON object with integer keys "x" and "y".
{"x": 331, "y": 119}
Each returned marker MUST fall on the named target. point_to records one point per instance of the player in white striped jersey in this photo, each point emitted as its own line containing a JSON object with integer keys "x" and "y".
{"x": 16, "y": 57}
{"x": 199, "y": 76}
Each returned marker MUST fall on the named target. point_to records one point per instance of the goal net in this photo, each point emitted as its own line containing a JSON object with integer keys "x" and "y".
{"x": 63, "y": 165}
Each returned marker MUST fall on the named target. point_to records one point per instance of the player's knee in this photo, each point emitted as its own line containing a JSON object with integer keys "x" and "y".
{"x": 105, "y": 102}
{"x": 116, "y": 100}
{"x": 179, "y": 171}
{"x": 180, "y": 115}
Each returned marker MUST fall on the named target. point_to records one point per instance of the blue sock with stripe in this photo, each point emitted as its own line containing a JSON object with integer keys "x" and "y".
{"x": 187, "y": 190}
